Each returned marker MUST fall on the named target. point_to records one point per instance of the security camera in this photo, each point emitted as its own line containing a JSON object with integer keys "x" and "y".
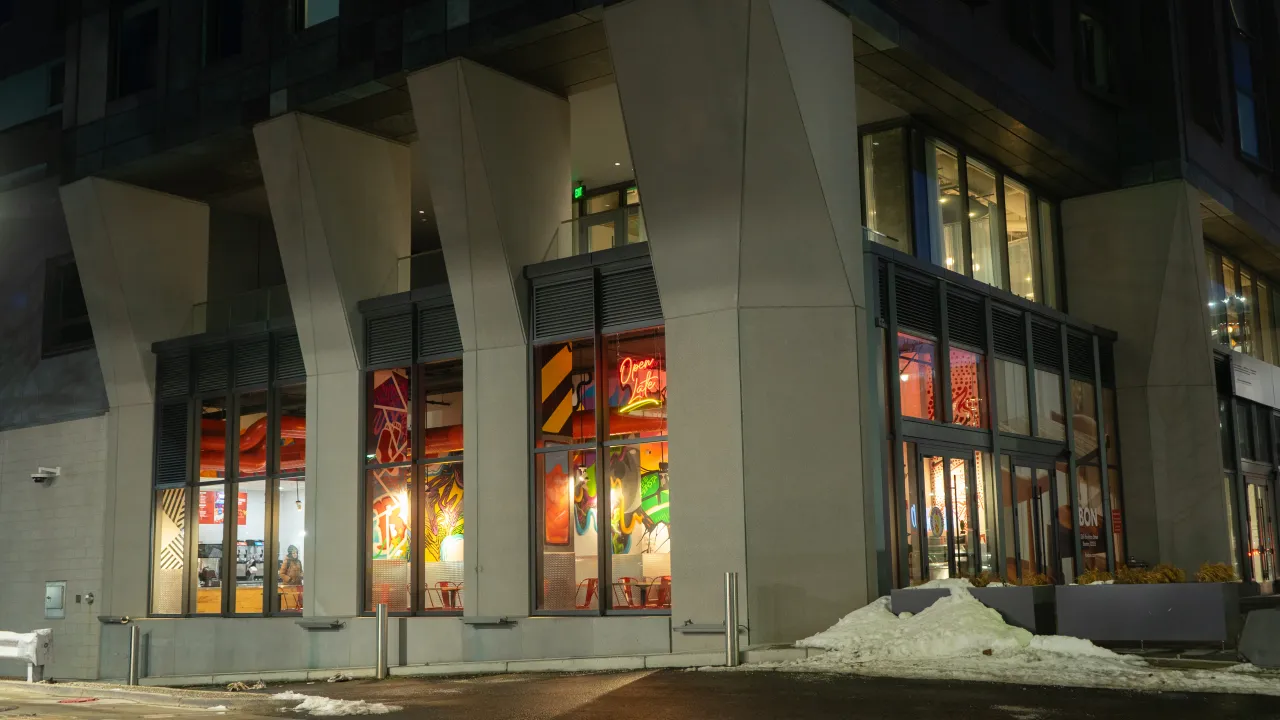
{"x": 46, "y": 475}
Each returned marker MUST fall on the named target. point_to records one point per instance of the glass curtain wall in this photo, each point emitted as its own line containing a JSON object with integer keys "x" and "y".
{"x": 982, "y": 486}
{"x": 602, "y": 490}
{"x": 245, "y": 553}
{"x": 413, "y": 489}
{"x": 972, "y": 219}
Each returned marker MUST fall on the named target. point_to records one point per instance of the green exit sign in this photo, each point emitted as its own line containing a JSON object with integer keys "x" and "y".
{"x": 577, "y": 193}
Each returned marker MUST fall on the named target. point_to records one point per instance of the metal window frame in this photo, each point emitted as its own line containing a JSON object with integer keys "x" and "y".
{"x": 189, "y": 349}
{"x": 596, "y": 265}
{"x": 929, "y": 435}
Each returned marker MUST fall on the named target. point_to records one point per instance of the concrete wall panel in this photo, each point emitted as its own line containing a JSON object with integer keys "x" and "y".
{"x": 1134, "y": 263}
{"x": 51, "y": 533}
{"x": 704, "y": 422}
{"x": 802, "y": 469}
{"x": 682, "y": 77}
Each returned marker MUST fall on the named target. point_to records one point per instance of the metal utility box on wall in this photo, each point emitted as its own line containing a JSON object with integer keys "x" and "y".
{"x": 55, "y": 604}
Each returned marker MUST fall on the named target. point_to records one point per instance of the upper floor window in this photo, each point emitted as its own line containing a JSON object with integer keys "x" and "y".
{"x": 607, "y": 218}
{"x": 1094, "y": 59}
{"x": 137, "y": 48}
{"x": 66, "y": 316}
{"x": 223, "y": 29}
{"x": 972, "y": 219}
{"x": 314, "y": 12}
{"x": 1031, "y": 24}
{"x": 1250, "y": 100}
{"x": 1241, "y": 308}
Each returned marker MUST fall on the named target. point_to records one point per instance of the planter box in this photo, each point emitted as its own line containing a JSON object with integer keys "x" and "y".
{"x": 1030, "y": 608}
{"x": 1199, "y": 613}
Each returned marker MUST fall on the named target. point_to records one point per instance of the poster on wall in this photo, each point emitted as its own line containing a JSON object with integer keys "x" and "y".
{"x": 556, "y": 501}
{"x": 212, "y": 508}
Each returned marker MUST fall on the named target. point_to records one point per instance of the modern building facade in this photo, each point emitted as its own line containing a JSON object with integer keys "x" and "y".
{"x": 532, "y": 319}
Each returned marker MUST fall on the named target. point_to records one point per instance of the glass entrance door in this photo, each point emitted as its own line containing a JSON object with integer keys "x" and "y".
{"x": 1261, "y": 529}
{"x": 1043, "y": 533}
{"x": 950, "y": 538}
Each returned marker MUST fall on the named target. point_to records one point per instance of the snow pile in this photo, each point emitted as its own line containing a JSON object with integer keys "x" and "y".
{"x": 328, "y": 707}
{"x": 959, "y": 638}
{"x": 954, "y": 626}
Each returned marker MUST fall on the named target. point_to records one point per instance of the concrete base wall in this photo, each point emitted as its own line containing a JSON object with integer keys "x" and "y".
{"x": 204, "y": 646}
{"x": 51, "y": 533}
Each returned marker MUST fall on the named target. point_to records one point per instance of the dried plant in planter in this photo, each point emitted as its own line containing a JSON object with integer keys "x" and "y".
{"x": 1093, "y": 575}
{"x": 1166, "y": 573}
{"x": 1035, "y": 580}
{"x": 983, "y": 579}
{"x": 1216, "y": 573}
{"x": 1126, "y": 575}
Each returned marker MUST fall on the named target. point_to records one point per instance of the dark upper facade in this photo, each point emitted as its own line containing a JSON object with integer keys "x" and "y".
{"x": 1078, "y": 96}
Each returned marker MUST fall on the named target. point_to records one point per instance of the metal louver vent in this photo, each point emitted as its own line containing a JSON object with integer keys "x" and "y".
{"x": 389, "y": 340}
{"x": 438, "y": 332}
{"x": 173, "y": 375}
{"x": 289, "y": 364}
{"x": 965, "y": 319}
{"x": 171, "y": 444}
{"x": 211, "y": 368}
{"x": 1046, "y": 345}
{"x": 563, "y": 308}
{"x": 917, "y": 303}
{"x": 882, "y": 290}
{"x": 251, "y": 364}
{"x": 1080, "y": 356}
{"x": 629, "y": 298}
{"x": 1008, "y": 333}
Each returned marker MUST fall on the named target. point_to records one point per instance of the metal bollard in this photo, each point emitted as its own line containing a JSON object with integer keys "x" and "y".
{"x": 731, "y": 619}
{"x": 135, "y": 653}
{"x": 381, "y": 670}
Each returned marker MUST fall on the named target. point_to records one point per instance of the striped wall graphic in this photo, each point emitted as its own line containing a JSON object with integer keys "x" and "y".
{"x": 557, "y": 391}
{"x": 172, "y": 530}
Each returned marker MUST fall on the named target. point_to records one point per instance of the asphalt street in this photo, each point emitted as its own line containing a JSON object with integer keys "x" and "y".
{"x": 661, "y": 695}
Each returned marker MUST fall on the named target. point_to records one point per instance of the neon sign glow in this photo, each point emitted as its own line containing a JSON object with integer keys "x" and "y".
{"x": 644, "y": 379}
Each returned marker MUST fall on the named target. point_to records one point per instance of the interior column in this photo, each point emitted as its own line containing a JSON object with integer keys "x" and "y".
{"x": 142, "y": 257}
{"x": 496, "y": 152}
{"x": 742, "y": 124}
{"x": 340, "y": 203}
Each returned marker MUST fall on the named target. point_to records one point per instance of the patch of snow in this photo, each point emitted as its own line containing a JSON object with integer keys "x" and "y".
{"x": 1101, "y": 582}
{"x": 328, "y": 707}
{"x": 219, "y": 708}
{"x": 959, "y": 638}
{"x": 944, "y": 583}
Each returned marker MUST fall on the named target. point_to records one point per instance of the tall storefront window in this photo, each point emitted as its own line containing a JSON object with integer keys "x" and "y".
{"x": 248, "y": 429}
{"x": 1089, "y": 515}
{"x": 918, "y": 376}
{"x": 1051, "y": 423}
{"x": 607, "y": 490}
{"x": 414, "y": 488}
{"x": 1018, "y": 485}
{"x": 884, "y": 177}
{"x": 1011, "y": 392}
{"x": 968, "y": 388}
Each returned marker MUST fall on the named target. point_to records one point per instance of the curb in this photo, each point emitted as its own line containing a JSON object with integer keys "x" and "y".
{"x": 201, "y": 700}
